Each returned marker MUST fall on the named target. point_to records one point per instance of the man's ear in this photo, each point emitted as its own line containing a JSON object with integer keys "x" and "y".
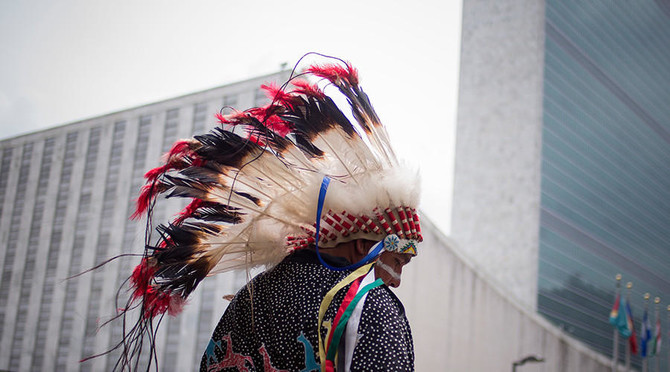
{"x": 361, "y": 248}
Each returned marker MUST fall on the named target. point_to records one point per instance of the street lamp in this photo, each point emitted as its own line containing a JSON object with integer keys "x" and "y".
{"x": 530, "y": 358}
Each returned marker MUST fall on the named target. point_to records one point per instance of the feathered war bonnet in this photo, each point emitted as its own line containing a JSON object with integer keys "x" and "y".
{"x": 255, "y": 181}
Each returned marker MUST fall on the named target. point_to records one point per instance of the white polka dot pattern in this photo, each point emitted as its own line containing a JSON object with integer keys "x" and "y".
{"x": 279, "y": 332}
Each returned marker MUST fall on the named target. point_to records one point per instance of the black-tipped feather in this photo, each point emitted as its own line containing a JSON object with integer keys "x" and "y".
{"x": 181, "y": 262}
{"x": 248, "y": 196}
{"x": 218, "y": 212}
{"x": 226, "y": 148}
{"x": 210, "y": 174}
{"x": 307, "y": 147}
{"x": 183, "y": 279}
{"x": 330, "y": 112}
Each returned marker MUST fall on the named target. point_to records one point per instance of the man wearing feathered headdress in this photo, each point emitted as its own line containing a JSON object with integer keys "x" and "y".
{"x": 318, "y": 199}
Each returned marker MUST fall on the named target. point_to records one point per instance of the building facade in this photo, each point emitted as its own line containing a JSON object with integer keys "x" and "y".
{"x": 66, "y": 195}
{"x": 605, "y": 205}
{"x": 562, "y": 153}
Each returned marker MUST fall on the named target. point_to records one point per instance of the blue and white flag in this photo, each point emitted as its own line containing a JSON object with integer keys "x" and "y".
{"x": 645, "y": 335}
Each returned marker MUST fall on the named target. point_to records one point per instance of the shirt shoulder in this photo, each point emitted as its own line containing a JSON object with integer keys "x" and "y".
{"x": 384, "y": 339}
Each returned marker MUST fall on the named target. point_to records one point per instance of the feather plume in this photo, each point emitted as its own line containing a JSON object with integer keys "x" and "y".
{"x": 259, "y": 187}
{"x": 254, "y": 195}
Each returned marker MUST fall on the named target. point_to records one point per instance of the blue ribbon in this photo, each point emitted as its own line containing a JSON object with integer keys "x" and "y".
{"x": 377, "y": 248}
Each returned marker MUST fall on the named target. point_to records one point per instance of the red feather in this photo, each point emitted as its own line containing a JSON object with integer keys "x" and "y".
{"x": 173, "y": 159}
{"x": 153, "y": 174}
{"x": 147, "y": 194}
{"x": 281, "y": 96}
{"x": 335, "y": 73}
{"x": 157, "y": 303}
{"x": 223, "y": 119}
{"x": 176, "y": 305}
{"x": 180, "y": 156}
{"x": 277, "y": 125}
{"x": 141, "y": 278}
{"x": 266, "y": 115}
{"x": 310, "y": 90}
{"x": 188, "y": 211}
{"x": 254, "y": 138}
{"x": 235, "y": 118}
{"x": 179, "y": 150}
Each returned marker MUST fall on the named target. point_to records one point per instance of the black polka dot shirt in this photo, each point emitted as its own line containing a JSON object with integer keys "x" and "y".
{"x": 271, "y": 324}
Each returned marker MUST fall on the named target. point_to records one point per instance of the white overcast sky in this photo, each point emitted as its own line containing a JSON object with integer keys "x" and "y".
{"x": 68, "y": 60}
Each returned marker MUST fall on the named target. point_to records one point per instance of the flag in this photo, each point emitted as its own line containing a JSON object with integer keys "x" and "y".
{"x": 632, "y": 340}
{"x": 618, "y": 317}
{"x": 645, "y": 335}
{"x": 656, "y": 342}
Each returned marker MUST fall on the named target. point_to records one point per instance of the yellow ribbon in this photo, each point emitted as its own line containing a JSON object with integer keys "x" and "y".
{"x": 328, "y": 299}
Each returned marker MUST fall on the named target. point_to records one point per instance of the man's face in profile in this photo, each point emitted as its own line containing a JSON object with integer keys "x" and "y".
{"x": 389, "y": 267}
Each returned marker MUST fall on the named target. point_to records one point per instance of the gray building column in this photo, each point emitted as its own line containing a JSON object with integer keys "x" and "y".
{"x": 54, "y": 329}
{"x": 37, "y": 285}
{"x": 21, "y": 213}
{"x": 495, "y": 216}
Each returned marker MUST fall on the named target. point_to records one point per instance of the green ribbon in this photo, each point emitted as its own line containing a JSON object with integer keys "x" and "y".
{"x": 339, "y": 330}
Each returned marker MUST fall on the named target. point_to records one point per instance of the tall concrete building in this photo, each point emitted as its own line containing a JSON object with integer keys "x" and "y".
{"x": 66, "y": 195}
{"x": 563, "y": 145}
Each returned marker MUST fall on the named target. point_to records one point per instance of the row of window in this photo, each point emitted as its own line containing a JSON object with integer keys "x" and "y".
{"x": 103, "y": 244}
{"x": 32, "y": 252}
{"x": 62, "y": 198}
{"x": 64, "y": 159}
{"x": 80, "y": 231}
{"x": 14, "y": 229}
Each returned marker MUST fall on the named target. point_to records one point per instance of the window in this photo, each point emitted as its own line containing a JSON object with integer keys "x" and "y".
{"x": 14, "y": 228}
{"x": 229, "y": 103}
{"x": 199, "y": 118}
{"x": 260, "y": 98}
{"x": 4, "y": 171}
{"x": 171, "y": 126}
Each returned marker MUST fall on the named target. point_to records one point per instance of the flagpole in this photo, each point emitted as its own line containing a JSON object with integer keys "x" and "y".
{"x": 629, "y": 285}
{"x": 644, "y": 338}
{"x": 669, "y": 338}
{"x": 615, "y": 351}
{"x": 657, "y": 301}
